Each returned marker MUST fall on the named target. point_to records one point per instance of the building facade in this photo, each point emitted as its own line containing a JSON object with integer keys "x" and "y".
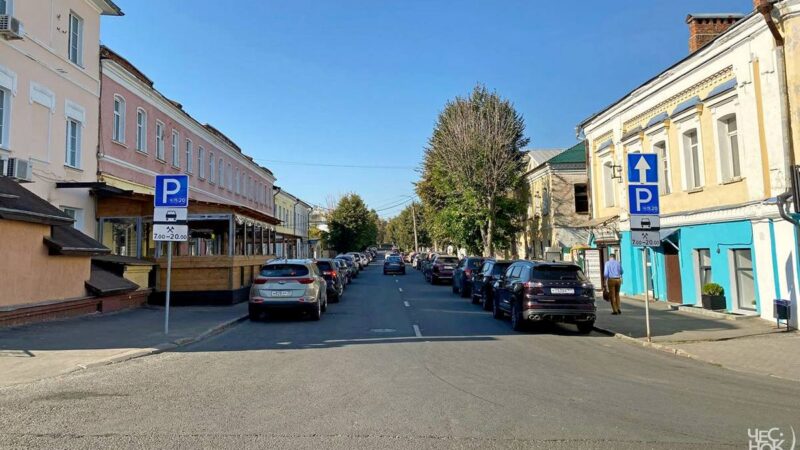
{"x": 715, "y": 121}
{"x": 231, "y": 226}
{"x": 292, "y": 231}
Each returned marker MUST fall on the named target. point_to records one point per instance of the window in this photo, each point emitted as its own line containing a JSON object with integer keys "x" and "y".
{"x": 118, "y": 131}
{"x": 141, "y": 130}
{"x": 160, "y": 141}
{"x": 730, "y": 165}
{"x": 703, "y": 266}
{"x": 76, "y": 214}
{"x": 211, "y": 165}
{"x": 692, "y": 159}
{"x": 230, "y": 177}
{"x": 665, "y": 185}
{"x": 237, "y": 183}
{"x": 176, "y": 149}
{"x": 4, "y": 7}
{"x": 201, "y": 166}
{"x": 221, "y": 174}
{"x": 581, "y": 198}
{"x": 545, "y": 202}
{"x": 188, "y": 156}
{"x": 5, "y": 112}
{"x": 75, "y": 39}
{"x": 609, "y": 191}
{"x": 745, "y": 283}
{"x": 73, "y": 158}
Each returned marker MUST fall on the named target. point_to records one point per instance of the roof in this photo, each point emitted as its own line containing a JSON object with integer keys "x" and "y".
{"x": 685, "y": 105}
{"x": 658, "y": 76}
{"x": 722, "y": 88}
{"x": 574, "y": 154}
{"x": 701, "y": 16}
{"x": 537, "y": 156}
{"x": 66, "y": 240}
{"x": 657, "y": 119}
{"x": 18, "y": 203}
{"x": 102, "y": 282}
{"x": 108, "y": 8}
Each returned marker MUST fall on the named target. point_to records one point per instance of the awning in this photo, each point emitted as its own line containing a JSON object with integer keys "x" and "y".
{"x": 665, "y": 233}
{"x": 97, "y": 187}
{"x": 103, "y": 282}
{"x": 65, "y": 240}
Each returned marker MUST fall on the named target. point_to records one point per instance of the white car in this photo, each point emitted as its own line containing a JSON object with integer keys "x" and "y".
{"x": 288, "y": 284}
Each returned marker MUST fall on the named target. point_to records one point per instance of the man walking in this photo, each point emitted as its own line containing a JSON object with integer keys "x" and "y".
{"x": 613, "y": 276}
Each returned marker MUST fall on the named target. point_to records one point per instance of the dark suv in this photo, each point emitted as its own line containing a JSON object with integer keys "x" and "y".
{"x": 465, "y": 271}
{"x": 483, "y": 281}
{"x": 532, "y": 291}
{"x": 333, "y": 278}
{"x": 441, "y": 268}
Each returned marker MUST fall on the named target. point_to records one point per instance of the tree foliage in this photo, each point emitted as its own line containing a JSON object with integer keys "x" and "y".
{"x": 400, "y": 229}
{"x": 472, "y": 165}
{"x": 351, "y": 226}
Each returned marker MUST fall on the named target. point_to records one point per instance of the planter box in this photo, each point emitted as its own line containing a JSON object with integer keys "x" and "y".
{"x": 714, "y": 302}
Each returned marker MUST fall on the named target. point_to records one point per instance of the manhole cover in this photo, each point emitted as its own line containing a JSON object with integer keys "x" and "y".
{"x": 383, "y": 330}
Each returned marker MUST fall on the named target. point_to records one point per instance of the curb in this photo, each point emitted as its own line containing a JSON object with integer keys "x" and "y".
{"x": 160, "y": 348}
{"x": 653, "y": 345}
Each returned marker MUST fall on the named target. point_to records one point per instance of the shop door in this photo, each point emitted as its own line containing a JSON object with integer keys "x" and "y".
{"x": 673, "y": 269}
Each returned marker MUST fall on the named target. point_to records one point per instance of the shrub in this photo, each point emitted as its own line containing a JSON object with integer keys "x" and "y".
{"x": 713, "y": 289}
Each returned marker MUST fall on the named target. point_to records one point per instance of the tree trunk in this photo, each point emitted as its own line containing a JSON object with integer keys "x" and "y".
{"x": 488, "y": 249}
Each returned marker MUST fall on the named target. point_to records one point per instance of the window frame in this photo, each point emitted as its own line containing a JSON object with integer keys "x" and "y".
{"x": 704, "y": 273}
{"x": 212, "y": 164}
{"x": 221, "y": 173}
{"x": 5, "y": 117}
{"x": 141, "y": 130}
{"x": 78, "y": 138}
{"x": 76, "y": 59}
{"x": 176, "y": 149}
{"x": 728, "y": 165}
{"x": 189, "y": 156}
{"x": 584, "y": 195}
{"x": 119, "y": 119}
{"x": 609, "y": 189}
{"x": 9, "y": 8}
{"x": 201, "y": 162}
{"x": 661, "y": 149}
{"x": 77, "y": 216}
{"x": 160, "y": 144}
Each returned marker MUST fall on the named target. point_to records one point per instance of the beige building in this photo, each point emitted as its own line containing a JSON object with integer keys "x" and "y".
{"x": 49, "y": 99}
{"x": 558, "y": 204}
{"x": 292, "y": 232}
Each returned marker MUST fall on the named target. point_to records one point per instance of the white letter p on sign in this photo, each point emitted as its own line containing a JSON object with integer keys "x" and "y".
{"x": 171, "y": 186}
{"x": 643, "y": 196}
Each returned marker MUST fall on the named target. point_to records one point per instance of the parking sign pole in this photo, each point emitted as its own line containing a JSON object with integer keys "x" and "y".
{"x": 647, "y": 294}
{"x": 169, "y": 280}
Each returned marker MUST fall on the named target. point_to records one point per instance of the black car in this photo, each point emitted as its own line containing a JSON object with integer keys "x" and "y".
{"x": 465, "y": 271}
{"x": 394, "y": 264}
{"x": 333, "y": 278}
{"x": 533, "y": 291}
{"x": 440, "y": 269}
{"x": 483, "y": 281}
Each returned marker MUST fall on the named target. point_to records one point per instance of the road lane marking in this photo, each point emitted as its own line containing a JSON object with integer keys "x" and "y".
{"x": 416, "y": 331}
{"x": 400, "y": 289}
{"x": 408, "y": 305}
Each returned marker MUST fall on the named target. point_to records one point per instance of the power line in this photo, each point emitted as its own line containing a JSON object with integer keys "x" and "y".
{"x": 346, "y": 166}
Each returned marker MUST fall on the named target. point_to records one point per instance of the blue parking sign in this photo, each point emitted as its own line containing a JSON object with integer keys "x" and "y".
{"x": 643, "y": 199}
{"x": 172, "y": 190}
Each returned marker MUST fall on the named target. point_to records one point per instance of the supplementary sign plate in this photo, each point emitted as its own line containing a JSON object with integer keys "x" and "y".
{"x": 645, "y": 223}
{"x": 167, "y": 232}
{"x": 169, "y": 215}
{"x": 645, "y": 238}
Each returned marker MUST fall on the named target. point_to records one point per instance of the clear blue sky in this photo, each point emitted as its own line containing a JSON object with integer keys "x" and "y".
{"x": 360, "y": 82}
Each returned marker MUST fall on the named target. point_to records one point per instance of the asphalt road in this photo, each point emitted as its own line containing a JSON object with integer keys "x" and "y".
{"x": 399, "y": 364}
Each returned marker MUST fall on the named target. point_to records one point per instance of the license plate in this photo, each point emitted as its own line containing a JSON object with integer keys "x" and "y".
{"x": 280, "y": 293}
{"x": 562, "y": 291}
{"x": 448, "y": 267}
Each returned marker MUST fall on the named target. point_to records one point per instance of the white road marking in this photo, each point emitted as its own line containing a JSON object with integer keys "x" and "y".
{"x": 416, "y": 331}
{"x": 408, "y": 305}
{"x": 400, "y": 289}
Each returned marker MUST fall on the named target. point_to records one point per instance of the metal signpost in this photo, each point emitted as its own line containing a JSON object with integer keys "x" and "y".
{"x": 644, "y": 211}
{"x": 170, "y": 221}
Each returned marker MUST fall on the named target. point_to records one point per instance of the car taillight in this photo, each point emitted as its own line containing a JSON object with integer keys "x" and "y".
{"x": 535, "y": 287}
{"x": 260, "y": 280}
{"x": 305, "y": 280}
{"x": 329, "y": 272}
{"x": 468, "y": 273}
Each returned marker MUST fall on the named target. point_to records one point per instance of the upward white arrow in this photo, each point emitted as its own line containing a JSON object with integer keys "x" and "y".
{"x": 642, "y": 167}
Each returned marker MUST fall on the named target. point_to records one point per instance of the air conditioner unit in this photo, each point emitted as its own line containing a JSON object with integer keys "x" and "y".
{"x": 19, "y": 169}
{"x": 10, "y": 27}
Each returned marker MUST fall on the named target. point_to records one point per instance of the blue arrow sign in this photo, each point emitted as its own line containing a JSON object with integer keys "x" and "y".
{"x": 172, "y": 190}
{"x": 642, "y": 168}
{"x": 643, "y": 199}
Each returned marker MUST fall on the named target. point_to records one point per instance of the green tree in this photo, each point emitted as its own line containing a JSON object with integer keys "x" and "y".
{"x": 401, "y": 228}
{"x": 472, "y": 165}
{"x": 352, "y": 227}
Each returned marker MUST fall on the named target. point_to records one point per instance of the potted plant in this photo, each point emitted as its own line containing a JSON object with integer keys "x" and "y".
{"x": 713, "y": 296}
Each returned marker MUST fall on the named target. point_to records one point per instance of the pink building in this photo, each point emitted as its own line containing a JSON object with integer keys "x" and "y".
{"x": 144, "y": 133}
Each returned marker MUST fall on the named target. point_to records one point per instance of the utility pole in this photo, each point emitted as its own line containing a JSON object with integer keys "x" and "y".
{"x": 414, "y": 217}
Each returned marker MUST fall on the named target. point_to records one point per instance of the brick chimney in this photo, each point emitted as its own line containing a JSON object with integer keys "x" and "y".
{"x": 703, "y": 28}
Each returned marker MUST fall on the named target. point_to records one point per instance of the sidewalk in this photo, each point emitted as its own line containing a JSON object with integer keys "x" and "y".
{"x": 748, "y": 345}
{"x": 48, "y": 349}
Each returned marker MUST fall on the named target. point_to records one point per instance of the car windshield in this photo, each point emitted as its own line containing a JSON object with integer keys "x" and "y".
{"x": 324, "y": 265}
{"x": 474, "y": 263}
{"x": 500, "y": 267}
{"x": 447, "y": 260}
{"x": 393, "y": 259}
{"x": 284, "y": 270}
{"x": 568, "y": 273}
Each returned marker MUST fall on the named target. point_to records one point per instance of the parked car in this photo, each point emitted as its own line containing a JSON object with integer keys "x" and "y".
{"x": 366, "y": 259}
{"x": 441, "y": 269}
{"x": 532, "y": 291}
{"x": 394, "y": 264}
{"x": 288, "y": 284}
{"x": 462, "y": 275}
{"x": 333, "y": 279}
{"x": 344, "y": 270}
{"x": 483, "y": 281}
{"x": 416, "y": 262}
{"x": 352, "y": 263}
{"x": 360, "y": 259}
{"x": 426, "y": 263}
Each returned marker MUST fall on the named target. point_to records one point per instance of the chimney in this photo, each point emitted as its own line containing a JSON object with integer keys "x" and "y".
{"x": 757, "y": 4}
{"x": 703, "y": 28}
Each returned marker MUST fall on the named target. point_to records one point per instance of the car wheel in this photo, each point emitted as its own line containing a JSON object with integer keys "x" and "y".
{"x": 585, "y": 327}
{"x": 325, "y": 304}
{"x": 316, "y": 314}
{"x": 454, "y": 289}
{"x": 434, "y": 280}
{"x": 464, "y": 292}
{"x": 384, "y": 272}
{"x": 486, "y": 302}
{"x": 497, "y": 313}
{"x": 254, "y": 314}
{"x": 517, "y": 323}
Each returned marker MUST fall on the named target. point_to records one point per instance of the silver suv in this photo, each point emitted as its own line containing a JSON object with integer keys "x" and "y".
{"x": 288, "y": 284}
